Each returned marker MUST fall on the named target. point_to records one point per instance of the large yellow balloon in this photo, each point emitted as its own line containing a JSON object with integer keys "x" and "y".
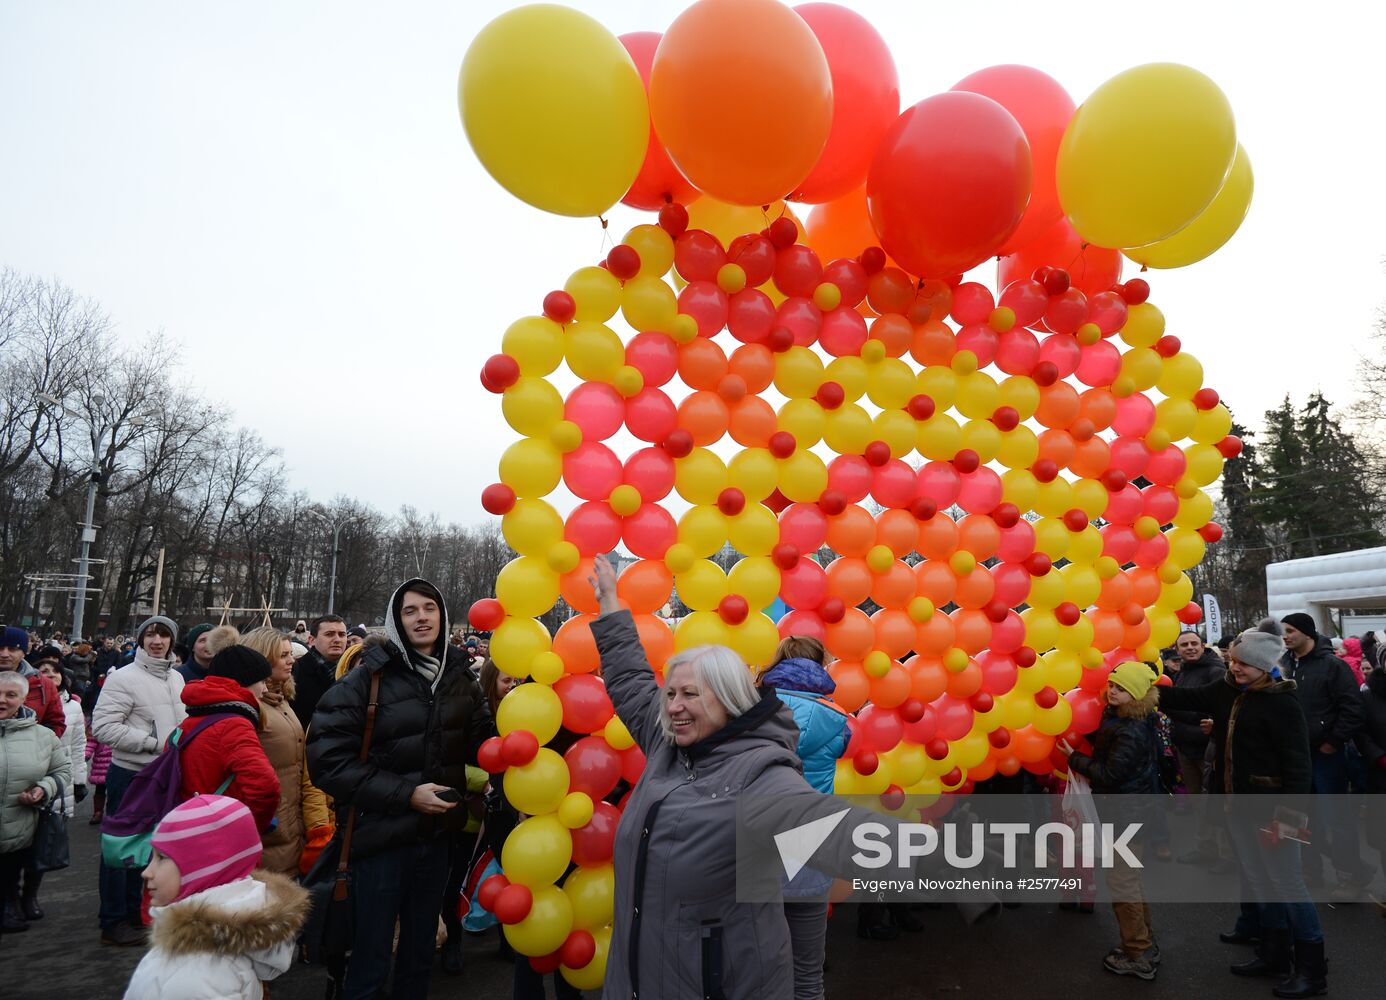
{"x": 548, "y": 924}
{"x": 537, "y": 852}
{"x": 1207, "y": 233}
{"x": 538, "y": 787}
{"x": 534, "y": 708}
{"x": 591, "y": 890}
{"x": 555, "y": 109}
{"x": 727, "y": 222}
{"x": 1145, "y": 155}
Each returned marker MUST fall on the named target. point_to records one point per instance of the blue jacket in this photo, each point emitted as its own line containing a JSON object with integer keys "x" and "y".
{"x": 805, "y": 687}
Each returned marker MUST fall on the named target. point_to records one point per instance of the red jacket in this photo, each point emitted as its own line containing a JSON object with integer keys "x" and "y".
{"x": 47, "y": 704}
{"x": 228, "y": 748}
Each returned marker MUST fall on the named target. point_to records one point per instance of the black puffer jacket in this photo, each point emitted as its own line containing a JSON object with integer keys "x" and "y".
{"x": 1123, "y": 751}
{"x": 1269, "y": 744}
{"x": 1371, "y": 741}
{"x": 313, "y": 675}
{"x": 1327, "y": 691}
{"x": 1183, "y": 724}
{"x": 422, "y": 734}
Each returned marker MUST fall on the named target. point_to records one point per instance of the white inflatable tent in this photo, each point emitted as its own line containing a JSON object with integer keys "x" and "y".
{"x": 1345, "y": 593}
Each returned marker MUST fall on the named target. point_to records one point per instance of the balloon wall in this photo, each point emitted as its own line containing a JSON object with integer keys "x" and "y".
{"x": 980, "y": 499}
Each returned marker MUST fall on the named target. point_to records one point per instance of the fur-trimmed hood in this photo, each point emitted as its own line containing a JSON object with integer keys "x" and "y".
{"x": 1139, "y": 709}
{"x": 249, "y": 915}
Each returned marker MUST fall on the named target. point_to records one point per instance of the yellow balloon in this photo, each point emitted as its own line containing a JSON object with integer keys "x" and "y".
{"x": 804, "y": 419}
{"x": 515, "y": 645}
{"x": 1085, "y": 547}
{"x": 591, "y": 975}
{"x": 703, "y": 586}
{"x": 575, "y": 811}
{"x": 1054, "y": 498}
{"x": 532, "y": 468}
{"x": 755, "y": 640}
{"x": 896, "y": 428}
{"x": 547, "y": 668}
{"x": 1145, "y": 154}
{"x": 939, "y": 384}
{"x": 1021, "y": 394}
{"x": 848, "y": 430}
{"x": 532, "y": 406}
{"x": 1142, "y": 366}
{"x": 1056, "y": 720}
{"x": 1090, "y": 497}
{"x": 757, "y": 579}
{"x": 1180, "y": 376}
{"x": 938, "y": 438}
{"x": 972, "y": 749}
{"x": 649, "y": 305}
{"x": 594, "y": 352}
{"x": 591, "y": 890}
{"x": 1063, "y": 669}
{"x": 1211, "y": 426}
{"x": 1186, "y": 547}
{"x": 1018, "y": 449}
{"x": 1145, "y": 325}
{"x": 655, "y": 247}
{"x": 1082, "y": 585}
{"x": 727, "y": 222}
{"x": 1077, "y": 637}
{"x": 703, "y": 529}
{"x": 1204, "y": 464}
{"x": 983, "y": 437}
{"x": 536, "y": 344}
{"x": 1041, "y": 629}
{"x": 1046, "y": 592}
{"x": 755, "y": 531}
{"x": 540, "y": 786}
{"x": 909, "y": 763}
{"x": 548, "y": 924}
{"x": 532, "y": 527}
{"x": 533, "y": 708}
{"x": 555, "y": 109}
{"x": 1020, "y": 487}
{"x": 803, "y": 477}
{"x": 596, "y": 292}
{"x": 798, "y": 372}
{"x": 701, "y": 628}
{"x": 755, "y": 472}
{"x": 700, "y": 476}
{"x": 978, "y": 396}
{"x": 1215, "y": 226}
{"x": 527, "y": 586}
{"x": 616, "y": 734}
{"x": 1175, "y": 417}
{"x": 1017, "y": 708}
{"x": 890, "y": 384}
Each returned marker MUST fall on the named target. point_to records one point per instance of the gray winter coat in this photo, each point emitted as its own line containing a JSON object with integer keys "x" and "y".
{"x": 29, "y": 755}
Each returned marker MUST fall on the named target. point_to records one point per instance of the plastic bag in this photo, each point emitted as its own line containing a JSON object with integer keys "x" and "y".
{"x": 1077, "y": 806}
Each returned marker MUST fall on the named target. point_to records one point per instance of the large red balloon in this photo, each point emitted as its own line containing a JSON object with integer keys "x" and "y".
{"x": 949, "y": 184}
{"x": 1091, "y": 269}
{"x": 659, "y": 180}
{"x": 866, "y": 100}
{"x": 1042, "y": 108}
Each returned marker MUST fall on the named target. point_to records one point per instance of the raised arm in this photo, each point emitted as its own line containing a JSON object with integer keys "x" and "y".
{"x": 629, "y": 677}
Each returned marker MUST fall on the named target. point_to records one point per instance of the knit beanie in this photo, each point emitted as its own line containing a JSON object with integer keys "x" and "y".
{"x": 212, "y": 839}
{"x": 167, "y": 623}
{"x": 1259, "y": 650}
{"x": 1133, "y": 677}
{"x": 15, "y": 637}
{"x": 194, "y": 633}
{"x": 242, "y": 664}
{"x": 1302, "y": 622}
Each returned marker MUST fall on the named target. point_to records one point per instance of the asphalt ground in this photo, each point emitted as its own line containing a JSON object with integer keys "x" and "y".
{"x": 1035, "y": 952}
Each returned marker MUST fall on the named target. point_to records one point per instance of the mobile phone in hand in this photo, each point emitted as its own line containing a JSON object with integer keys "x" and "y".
{"x": 449, "y": 795}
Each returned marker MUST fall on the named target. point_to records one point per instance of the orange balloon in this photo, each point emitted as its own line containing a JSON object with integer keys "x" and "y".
{"x": 894, "y": 588}
{"x": 755, "y": 363}
{"x": 576, "y": 646}
{"x": 966, "y": 682}
{"x": 935, "y": 580}
{"x": 753, "y": 423}
{"x": 701, "y": 364}
{"x": 976, "y": 589}
{"x": 1098, "y": 406}
{"x": 1008, "y": 764}
{"x": 704, "y": 415}
{"x": 894, "y": 632}
{"x": 741, "y": 97}
{"x": 1058, "y": 406}
{"x": 1137, "y": 634}
{"x": 979, "y": 534}
{"x": 982, "y": 771}
{"x": 892, "y": 689}
{"x": 1091, "y": 458}
{"x": 841, "y": 228}
{"x": 1145, "y": 586}
{"x": 895, "y": 332}
{"x": 1108, "y": 630}
{"x": 849, "y": 580}
{"x": 644, "y": 586}
{"x": 972, "y": 628}
{"x": 934, "y": 343}
{"x": 1116, "y": 593}
{"x": 851, "y": 533}
{"x": 575, "y": 588}
{"x": 928, "y": 677}
{"x": 853, "y": 686}
{"x": 934, "y": 636}
{"x": 851, "y": 638}
{"x": 897, "y": 530}
{"x": 1030, "y": 745}
{"x": 657, "y": 638}
{"x": 1056, "y": 446}
{"x": 938, "y": 537}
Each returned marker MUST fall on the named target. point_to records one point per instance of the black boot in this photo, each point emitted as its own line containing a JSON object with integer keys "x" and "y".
{"x": 452, "y": 953}
{"x": 13, "y": 920}
{"x": 1273, "y": 958}
{"x": 28, "y": 901}
{"x": 1311, "y": 972}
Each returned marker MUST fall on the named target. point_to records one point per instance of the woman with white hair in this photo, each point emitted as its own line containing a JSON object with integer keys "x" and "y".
{"x": 709, "y": 737}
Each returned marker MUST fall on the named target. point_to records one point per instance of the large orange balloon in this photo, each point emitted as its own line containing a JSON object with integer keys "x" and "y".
{"x": 741, "y": 95}
{"x": 659, "y": 179}
{"x": 841, "y": 228}
{"x": 1092, "y": 268}
{"x": 644, "y": 586}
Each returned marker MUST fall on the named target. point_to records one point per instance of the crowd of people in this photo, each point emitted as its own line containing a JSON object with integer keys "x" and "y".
{"x": 326, "y": 747}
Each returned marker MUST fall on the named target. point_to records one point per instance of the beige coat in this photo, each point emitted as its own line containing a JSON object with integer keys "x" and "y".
{"x": 301, "y": 805}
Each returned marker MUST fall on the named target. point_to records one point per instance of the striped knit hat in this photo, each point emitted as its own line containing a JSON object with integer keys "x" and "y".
{"x": 212, "y": 839}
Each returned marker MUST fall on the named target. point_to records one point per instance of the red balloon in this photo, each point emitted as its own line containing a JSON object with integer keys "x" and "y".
{"x": 489, "y": 890}
{"x": 593, "y": 767}
{"x": 578, "y": 950}
{"x": 866, "y": 100}
{"x": 586, "y": 707}
{"x": 490, "y": 756}
{"x": 597, "y": 409}
{"x": 650, "y": 531}
{"x": 881, "y": 728}
{"x": 655, "y": 356}
{"x": 1042, "y": 108}
{"x": 513, "y": 903}
{"x": 651, "y": 414}
{"x": 632, "y": 764}
{"x": 486, "y": 614}
{"x": 518, "y": 748}
{"x": 592, "y": 843}
{"x": 698, "y": 256}
{"x": 1092, "y": 269}
{"x": 659, "y": 180}
{"x": 593, "y": 527}
{"x": 949, "y": 184}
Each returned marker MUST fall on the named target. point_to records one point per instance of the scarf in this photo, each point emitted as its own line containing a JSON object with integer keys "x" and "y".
{"x": 429, "y": 667}
{"x": 154, "y": 665}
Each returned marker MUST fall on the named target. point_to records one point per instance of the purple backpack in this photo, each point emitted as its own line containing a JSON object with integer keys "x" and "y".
{"x": 153, "y": 793}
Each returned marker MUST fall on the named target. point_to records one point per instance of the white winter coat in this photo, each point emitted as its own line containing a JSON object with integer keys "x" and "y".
{"x": 220, "y": 943}
{"x": 140, "y": 704}
{"x": 74, "y": 740}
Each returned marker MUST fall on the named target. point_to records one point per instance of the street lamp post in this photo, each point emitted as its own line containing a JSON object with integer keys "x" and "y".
{"x": 336, "y": 527}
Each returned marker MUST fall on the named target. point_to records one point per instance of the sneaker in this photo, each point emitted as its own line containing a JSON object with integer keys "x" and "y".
{"x": 1124, "y": 965}
{"x": 123, "y": 936}
{"x": 1152, "y": 954}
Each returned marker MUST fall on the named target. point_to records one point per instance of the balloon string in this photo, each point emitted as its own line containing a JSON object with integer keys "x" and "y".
{"x": 606, "y": 237}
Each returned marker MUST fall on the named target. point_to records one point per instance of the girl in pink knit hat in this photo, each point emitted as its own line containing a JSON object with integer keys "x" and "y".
{"x": 220, "y": 926}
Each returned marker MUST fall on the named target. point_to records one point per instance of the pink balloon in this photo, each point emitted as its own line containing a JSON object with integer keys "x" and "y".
{"x": 1012, "y": 584}
{"x": 881, "y": 728}
{"x": 1017, "y": 542}
{"x": 1152, "y": 552}
{"x": 894, "y": 485}
{"x": 1099, "y": 364}
{"x": 1120, "y": 542}
{"x": 980, "y": 492}
{"x": 981, "y": 340}
{"x": 651, "y": 471}
{"x": 1027, "y": 299}
{"x": 1063, "y": 352}
{"x": 1124, "y": 506}
{"x": 1067, "y": 312}
{"x": 842, "y": 332}
{"x": 1108, "y": 311}
{"x": 925, "y": 730}
{"x": 998, "y": 671}
{"x": 1135, "y": 415}
{"x": 750, "y": 316}
{"x": 805, "y": 586}
{"x": 1017, "y": 352}
{"x": 954, "y": 717}
{"x": 651, "y": 415}
{"x": 851, "y": 476}
{"x": 1087, "y": 710}
{"x": 805, "y": 526}
{"x": 941, "y": 483}
{"x": 1166, "y": 467}
{"x": 707, "y": 304}
{"x": 1160, "y": 502}
{"x": 650, "y": 531}
{"x": 849, "y": 277}
{"x": 1130, "y": 455}
{"x": 801, "y": 318}
{"x": 597, "y": 409}
{"x": 972, "y": 303}
{"x": 655, "y": 356}
{"x": 593, "y": 527}
{"x": 591, "y": 471}
{"x": 1009, "y": 635}
{"x": 800, "y": 622}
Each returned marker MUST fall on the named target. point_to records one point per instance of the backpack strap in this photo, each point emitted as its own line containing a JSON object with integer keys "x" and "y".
{"x": 339, "y": 890}
{"x": 180, "y": 739}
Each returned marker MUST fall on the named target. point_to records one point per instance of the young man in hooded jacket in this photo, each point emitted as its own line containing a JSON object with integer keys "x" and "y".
{"x": 431, "y": 719}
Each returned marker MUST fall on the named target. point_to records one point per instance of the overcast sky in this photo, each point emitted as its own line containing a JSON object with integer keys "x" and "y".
{"x": 285, "y": 189}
